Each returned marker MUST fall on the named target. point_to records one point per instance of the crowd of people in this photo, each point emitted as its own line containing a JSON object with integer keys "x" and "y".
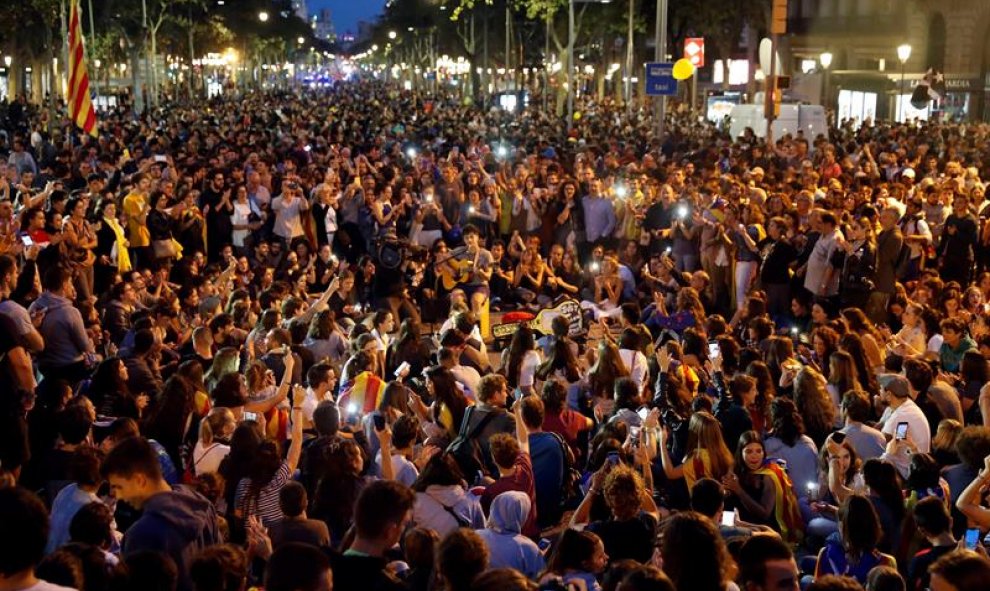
{"x": 247, "y": 342}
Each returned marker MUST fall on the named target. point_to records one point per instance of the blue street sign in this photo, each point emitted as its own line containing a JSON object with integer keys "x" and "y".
{"x": 660, "y": 79}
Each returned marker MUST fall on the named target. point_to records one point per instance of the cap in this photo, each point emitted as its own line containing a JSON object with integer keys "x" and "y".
{"x": 908, "y": 172}
{"x": 896, "y": 384}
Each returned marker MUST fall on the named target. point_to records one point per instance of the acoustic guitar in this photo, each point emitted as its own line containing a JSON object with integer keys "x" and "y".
{"x": 453, "y": 273}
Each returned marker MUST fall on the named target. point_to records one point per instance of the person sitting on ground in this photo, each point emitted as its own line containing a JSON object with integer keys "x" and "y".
{"x": 295, "y": 526}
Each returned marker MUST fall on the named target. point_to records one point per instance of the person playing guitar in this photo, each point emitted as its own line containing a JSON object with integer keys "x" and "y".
{"x": 470, "y": 267}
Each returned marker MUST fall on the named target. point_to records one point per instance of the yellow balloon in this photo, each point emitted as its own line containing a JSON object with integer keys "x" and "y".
{"x": 683, "y": 69}
{"x": 577, "y": 115}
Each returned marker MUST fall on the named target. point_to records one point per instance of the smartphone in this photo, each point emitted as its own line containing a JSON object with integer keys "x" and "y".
{"x": 838, "y": 437}
{"x": 379, "y": 422}
{"x": 161, "y": 158}
{"x": 643, "y": 413}
{"x": 27, "y": 240}
{"x": 634, "y": 435}
{"x": 901, "y": 431}
{"x": 972, "y": 537}
{"x": 612, "y": 458}
{"x": 544, "y": 544}
{"x": 403, "y": 367}
{"x": 250, "y": 416}
{"x": 517, "y": 394}
{"x": 712, "y": 349}
{"x": 729, "y": 518}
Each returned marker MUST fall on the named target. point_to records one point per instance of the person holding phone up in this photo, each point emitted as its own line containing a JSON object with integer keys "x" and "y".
{"x": 896, "y": 392}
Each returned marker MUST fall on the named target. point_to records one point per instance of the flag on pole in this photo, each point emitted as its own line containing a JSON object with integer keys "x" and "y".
{"x": 80, "y": 105}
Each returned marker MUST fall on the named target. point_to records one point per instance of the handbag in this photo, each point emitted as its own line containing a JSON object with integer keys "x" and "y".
{"x": 163, "y": 249}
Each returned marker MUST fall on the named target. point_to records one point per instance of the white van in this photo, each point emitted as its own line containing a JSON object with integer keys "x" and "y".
{"x": 808, "y": 118}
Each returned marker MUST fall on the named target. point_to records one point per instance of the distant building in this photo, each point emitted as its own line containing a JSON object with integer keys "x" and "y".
{"x": 323, "y": 25}
{"x": 863, "y": 36}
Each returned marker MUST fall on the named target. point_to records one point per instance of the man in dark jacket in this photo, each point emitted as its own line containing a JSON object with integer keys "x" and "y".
{"x": 143, "y": 374}
{"x": 178, "y": 522}
{"x": 889, "y": 243}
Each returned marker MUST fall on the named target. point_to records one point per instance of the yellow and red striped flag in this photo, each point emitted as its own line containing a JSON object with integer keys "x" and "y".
{"x": 80, "y": 106}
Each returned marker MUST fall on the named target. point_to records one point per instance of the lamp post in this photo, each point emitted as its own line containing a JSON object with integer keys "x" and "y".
{"x": 392, "y": 34}
{"x": 7, "y": 60}
{"x": 825, "y": 59}
{"x": 903, "y": 54}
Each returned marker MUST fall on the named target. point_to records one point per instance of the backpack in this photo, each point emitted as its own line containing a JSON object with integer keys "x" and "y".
{"x": 466, "y": 449}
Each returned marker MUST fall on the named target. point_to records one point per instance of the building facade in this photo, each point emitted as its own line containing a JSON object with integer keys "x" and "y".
{"x": 865, "y": 76}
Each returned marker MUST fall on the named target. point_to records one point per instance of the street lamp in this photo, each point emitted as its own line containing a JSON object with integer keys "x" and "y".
{"x": 903, "y": 54}
{"x": 825, "y": 59}
{"x": 301, "y": 40}
{"x": 392, "y": 34}
{"x": 7, "y": 60}
{"x": 263, "y": 16}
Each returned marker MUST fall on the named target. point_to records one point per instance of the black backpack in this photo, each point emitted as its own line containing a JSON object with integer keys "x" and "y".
{"x": 466, "y": 449}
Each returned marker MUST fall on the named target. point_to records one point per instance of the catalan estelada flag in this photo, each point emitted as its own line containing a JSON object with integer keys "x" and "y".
{"x": 363, "y": 392}
{"x": 80, "y": 106}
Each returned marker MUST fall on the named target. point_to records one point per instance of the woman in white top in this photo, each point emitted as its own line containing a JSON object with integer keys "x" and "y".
{"x": 911, "y": 339}
{"x": 632, "y": 358}
{"x": 212, "y": 446}
{"x": 520, "y": 361}
{"x": 241, "y": 218}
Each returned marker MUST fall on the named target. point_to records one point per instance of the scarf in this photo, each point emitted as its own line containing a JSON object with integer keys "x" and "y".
{"x": 123, "y": 258}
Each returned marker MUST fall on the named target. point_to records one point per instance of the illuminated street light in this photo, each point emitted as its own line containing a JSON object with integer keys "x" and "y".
{"x": 263, "y": 16}
{"x": 903, "y": 54}
{"x": 301, "y": 40}
{"x": 392, "y": 34}
{"x": 7, "y": 60}
{"x": 825, "y": 59}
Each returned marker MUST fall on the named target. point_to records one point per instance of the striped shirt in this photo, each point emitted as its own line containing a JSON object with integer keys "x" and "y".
{"x": 265, "y": 507}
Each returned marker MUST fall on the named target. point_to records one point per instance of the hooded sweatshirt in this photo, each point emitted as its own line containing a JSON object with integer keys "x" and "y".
{"x": 433, "y": 509}
{"x": 179, "y": 523}
{"x": 507, "y": 547}
{"x": 66, "y": 341}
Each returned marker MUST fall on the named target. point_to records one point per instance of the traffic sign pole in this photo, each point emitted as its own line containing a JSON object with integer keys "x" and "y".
{"x": 660, "y": 55}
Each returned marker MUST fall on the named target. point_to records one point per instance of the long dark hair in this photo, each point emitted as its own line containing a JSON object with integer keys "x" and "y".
{"x": 787, "y": 423}
{"x": 267, "y": 459}
{"x": 859, "y": 526}
{"x": 244, "y": 444}
{"x": 446, "y": 391}
{"x": 561, "y": 358}
{"x": 107, "y": 388}
{"x": 169, "y": 422}
{"x": 522, "y": 342}
{"x": 885, "y": 484}
{"x": 441, "y": 470}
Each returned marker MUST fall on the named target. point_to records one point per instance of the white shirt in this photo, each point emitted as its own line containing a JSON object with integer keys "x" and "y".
{"x": 207, "y": 459}
{"x": 469, "y": 378}
{"x": 527, "y": 369}
{"x": 918, "y": 430}
{"x": 46, "y": 586}
{"x": 636, "y": 364}
{"x": 310, "y": 403}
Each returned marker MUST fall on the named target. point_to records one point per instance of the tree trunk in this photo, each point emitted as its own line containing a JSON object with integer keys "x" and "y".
{"x": 137, "y": 90}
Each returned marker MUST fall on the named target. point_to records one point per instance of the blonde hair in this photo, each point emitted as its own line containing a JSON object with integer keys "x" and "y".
{"x": 705, "y": 433}
{"x": 947, "y": 434}
{"x": 213, "y": 424}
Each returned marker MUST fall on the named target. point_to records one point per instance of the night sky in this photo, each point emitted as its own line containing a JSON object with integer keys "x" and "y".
{"x": 347, "y": 13}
